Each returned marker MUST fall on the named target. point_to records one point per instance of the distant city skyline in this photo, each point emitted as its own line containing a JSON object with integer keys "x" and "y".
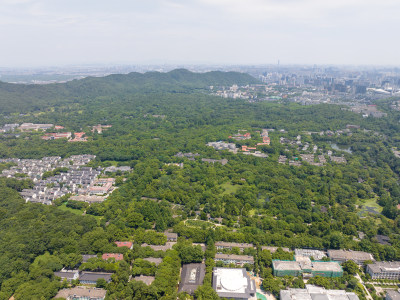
{"x": 58, "y": 32}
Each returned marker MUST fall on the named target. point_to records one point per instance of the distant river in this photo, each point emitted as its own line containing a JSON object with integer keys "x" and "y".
{"x": 341, "y": 148}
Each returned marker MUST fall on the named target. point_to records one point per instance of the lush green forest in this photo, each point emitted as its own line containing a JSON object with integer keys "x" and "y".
{"x": 18, "y": 98}
{"x": 258, "y": 200}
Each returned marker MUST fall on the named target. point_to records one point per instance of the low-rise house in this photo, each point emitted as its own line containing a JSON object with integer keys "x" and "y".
{"x": 167, "y": 246}
{"x": 358, "y": 257}
{"x": 384, "y": 270}
{"x": 101, "y": 186}
{"x": 179, "y": 165}
{"x": 31, "y": 126}
{"x": 223, "y": 146}
{"x": 256, "y": 154}
{"x": 223, "y": 161}
{"x": 338, "y": 159}
{"x": 113, "y": 169}
{"x": 79, "y": 137}
{"x": 171, "y": 236}
{"x": 57, "y": 135}
{"x": 45, "y": 191}
{"x": 273, "y": 249}
{"x": 190, "y": 156}
{"x": 266, "y": 141}
{"x": 282, "y": 159}
{"x": 154, "y": 260}
{"x": 315, "y": 254}
{"x": 116, "y": 256}
{"x": 192, "y": 277}
{"x": 86, "y": 257}
{"x": 239, "y": 137}
{"x": 69, "y": 275}
{"x": 92, "y": 277}
{"x": 82, "y": 293}
{"x": 239, "y": 260}
{"x": 88, "y": 198}
{"x": 145, "y": 279}
{"x": 229, "y": 245}
{"x": 99, "y": 128}
{"x": 8, "y": 127}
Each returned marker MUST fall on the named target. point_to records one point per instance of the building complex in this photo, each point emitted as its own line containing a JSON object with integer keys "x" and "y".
{"x": 358, "y": 257}
{"x": 239, "y": 260}
{"x": 229, "y": 245}
{"x": 384, "y": 270}
{"x": 312, "y": 292}
{"x": 303, "y": 266}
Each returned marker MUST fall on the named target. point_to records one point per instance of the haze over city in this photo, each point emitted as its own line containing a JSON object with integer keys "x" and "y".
{"x": 54, "y": 33}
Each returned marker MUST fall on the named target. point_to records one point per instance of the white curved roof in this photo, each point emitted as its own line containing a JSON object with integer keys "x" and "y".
{"x": 231, "y": 282}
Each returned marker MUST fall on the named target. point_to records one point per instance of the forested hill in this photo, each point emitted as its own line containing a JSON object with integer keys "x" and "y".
{"x": 23, "y": 98}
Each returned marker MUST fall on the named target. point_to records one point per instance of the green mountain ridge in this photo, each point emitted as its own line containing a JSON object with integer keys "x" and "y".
{"x": 282, "y": 200}
{"x": 22, "y": 97}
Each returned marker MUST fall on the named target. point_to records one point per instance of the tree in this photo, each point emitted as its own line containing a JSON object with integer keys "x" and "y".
{"x": 298, "y": 283}
{"x": 282, "y": 255}
{"x": 353, "y": 283}
{"x": 101, "y": 283}
{"x": 71, "y": 260}
{"x": 335, "y": 240}
{"x": 272, "y": 284}
{"x": 187, "y": 252}
{"x": 205, "y": 292}
{"x": 321, "y": 281}
{"x": 191, "y": 254}
{"x": 350, "y": 267}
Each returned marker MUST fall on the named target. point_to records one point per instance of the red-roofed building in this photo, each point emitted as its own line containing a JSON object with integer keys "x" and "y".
{"x": 266, "y": 141}
{"x": 58, "y": 127}
{"x": 117, "y": 256}
{"x": 124, "y": 244}
{"x": 247, "y": 135}
{"x": 79, "y": 137}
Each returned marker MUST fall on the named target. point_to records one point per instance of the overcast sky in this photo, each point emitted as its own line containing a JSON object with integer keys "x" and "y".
{"x": 62, "y": 32}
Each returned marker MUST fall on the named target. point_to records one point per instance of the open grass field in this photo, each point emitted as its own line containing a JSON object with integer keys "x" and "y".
{"x": 370, "y": 206}
{"x": 229, "y": 188}
{"x": 199, "y": 223}
{"x": 74, "y": 211}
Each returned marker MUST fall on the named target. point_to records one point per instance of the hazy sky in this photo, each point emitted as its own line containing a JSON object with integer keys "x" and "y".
{"x": 61, "y": 32}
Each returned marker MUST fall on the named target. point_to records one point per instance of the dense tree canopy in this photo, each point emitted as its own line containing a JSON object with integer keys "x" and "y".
{"x": 257, "y": 200}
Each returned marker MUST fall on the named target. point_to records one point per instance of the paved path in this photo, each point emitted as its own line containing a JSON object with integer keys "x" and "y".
{"x": 258, "y": 281}
{"x": 369, "y": 297}
{"x": 383, "y": 283}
